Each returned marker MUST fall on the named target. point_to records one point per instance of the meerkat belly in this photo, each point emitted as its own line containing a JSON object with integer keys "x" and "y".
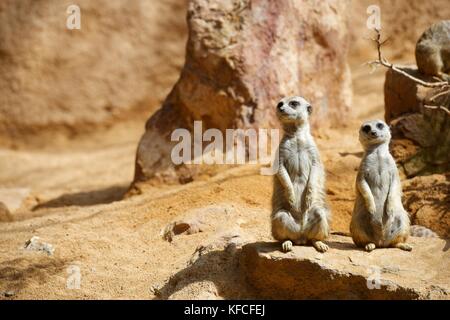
{"x": 378, "y": 179}
{"x": 299, "y": 167}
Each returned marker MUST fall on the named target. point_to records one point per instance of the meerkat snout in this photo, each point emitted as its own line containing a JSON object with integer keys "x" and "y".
{"x": 293, "y": 110}
{"x": 374, "y": 132}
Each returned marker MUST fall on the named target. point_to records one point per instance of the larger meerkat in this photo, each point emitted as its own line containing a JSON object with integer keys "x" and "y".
{"x": 433, "y": 51}
{"x": 299, "y": 211}
{"x": 378, "y": 219}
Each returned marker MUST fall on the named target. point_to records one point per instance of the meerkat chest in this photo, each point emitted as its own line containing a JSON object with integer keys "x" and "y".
{"x": 296, "y": 158}
{"x": 377, "y": 172}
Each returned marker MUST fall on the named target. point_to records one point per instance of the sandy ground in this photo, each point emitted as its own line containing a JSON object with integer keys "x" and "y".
{"x": 76, "y": 205}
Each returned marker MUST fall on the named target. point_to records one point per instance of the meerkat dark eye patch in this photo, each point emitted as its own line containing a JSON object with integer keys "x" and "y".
{"x": 279, "y": 105}
{"x": 380, "y": 125}
{"x": 366, "y": 128}
{"x": 294, "y": 103}
{"x": 309, "y": 109}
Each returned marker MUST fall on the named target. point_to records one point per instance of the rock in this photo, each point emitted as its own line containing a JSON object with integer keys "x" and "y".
{"x": 12, "y": 199}
{"x": 401, "y": 94}
{"x": 9, "y": 294}
{"x": 121, "y": 63}
{"x": 403, "y": 149}
{"x": 427, "y": 132}
{"x": 5, "y": 215}
{"x": 345, "y": 272}
{"x": 197, "y": 220}
{"x": 181, "y": 227}
{"x": 241, "y": 58}
{"x": 426, "y": 198}
{"x": 211, "y": 272}
{"x": 35, "y": 244}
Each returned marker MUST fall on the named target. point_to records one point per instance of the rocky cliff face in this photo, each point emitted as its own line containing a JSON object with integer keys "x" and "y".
{"x": 242, "y": 56}
{"x": 122, "y": 62}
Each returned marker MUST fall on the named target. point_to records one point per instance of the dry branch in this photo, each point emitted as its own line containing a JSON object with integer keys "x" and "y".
{"x": 443, "y": 86}
{"x": 383, "y": 62}
{"x": 437, "y": 108}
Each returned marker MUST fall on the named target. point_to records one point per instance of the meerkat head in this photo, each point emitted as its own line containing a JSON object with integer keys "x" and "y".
{"x": 293, "y": 110}
{"x": 374, "y": 132}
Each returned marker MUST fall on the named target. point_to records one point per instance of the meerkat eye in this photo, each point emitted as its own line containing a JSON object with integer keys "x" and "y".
{"x": 294, "y": 104}
{"x": 309, "y": 109}
{"x": 366, "y": 128}
{"x": 380, "y": 126}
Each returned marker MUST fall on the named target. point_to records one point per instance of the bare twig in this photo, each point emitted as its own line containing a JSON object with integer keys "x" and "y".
{"x": 383, "y": 62}
{"x": 439, "y": 94}
{"x": 437, "y": 108}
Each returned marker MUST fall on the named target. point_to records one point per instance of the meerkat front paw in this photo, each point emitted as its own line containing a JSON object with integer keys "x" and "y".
{"x": 286, "y": 246}
{"x": 389, "y": 209}
{"x": 371, "y": 208}
{"x": 403, "y": 246}
{"x": 291, "y": 199}
{"x": 320, "y": 246}
{"x": 370, "y": 247}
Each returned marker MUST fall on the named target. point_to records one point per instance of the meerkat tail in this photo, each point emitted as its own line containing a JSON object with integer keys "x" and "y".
{"x": 421, "y": 231}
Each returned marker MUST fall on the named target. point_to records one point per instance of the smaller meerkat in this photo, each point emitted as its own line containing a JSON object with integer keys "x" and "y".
{"x": 433, "y": 51}
{"x": 379, "y": 219}
{"x": 299, "y": 211}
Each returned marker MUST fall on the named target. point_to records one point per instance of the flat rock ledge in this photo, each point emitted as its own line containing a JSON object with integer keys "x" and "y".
{"x": 347, "y": 272}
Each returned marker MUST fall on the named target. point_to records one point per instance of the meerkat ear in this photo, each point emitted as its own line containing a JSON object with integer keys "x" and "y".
{"x": 309, "y": 109}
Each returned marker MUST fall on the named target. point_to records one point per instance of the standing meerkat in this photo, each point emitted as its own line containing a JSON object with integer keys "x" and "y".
{"x": 378, "y": 219}
{"x": 299, "y": 211}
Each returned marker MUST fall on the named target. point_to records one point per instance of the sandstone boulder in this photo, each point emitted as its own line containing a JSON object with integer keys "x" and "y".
{"x": 421, "y": 136}
{"x": 11, "y": 201}
{"x": 5, "y": 215}
{"x": 242, "y": 56}
{"x": 345, "y": 272}
{"x": 120, "y": 64}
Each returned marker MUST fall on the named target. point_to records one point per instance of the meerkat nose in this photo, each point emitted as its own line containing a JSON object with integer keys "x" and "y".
{"x": 279, "y": 105}
{"x": 373, "y": 133}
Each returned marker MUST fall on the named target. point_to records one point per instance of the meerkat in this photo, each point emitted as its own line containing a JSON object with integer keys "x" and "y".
{"x": 379, "y": 219}
{"x": 300, "y": 214}
{"x": 433, "y": 51}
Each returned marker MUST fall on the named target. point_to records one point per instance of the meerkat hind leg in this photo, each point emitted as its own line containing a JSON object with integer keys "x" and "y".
{"x": 403, "y": 246}
{"x": 370, "y": 247}
{"x": 320, "y": 246}
{"x": 317, "y": 228}
{"x": 287, "y": 245}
